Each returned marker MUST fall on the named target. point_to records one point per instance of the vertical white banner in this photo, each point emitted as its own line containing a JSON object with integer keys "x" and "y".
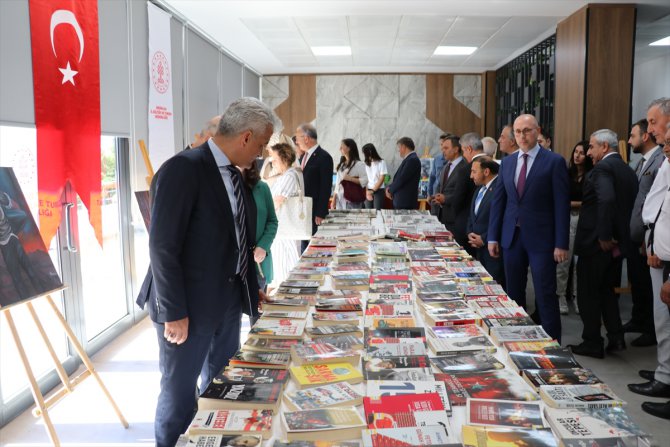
{"x": 161, "y": 108}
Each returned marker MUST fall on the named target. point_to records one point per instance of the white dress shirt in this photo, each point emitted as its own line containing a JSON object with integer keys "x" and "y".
{"x": 529, "y": 163}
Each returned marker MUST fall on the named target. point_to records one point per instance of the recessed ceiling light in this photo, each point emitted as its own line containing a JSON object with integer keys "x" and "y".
{"x": 332, "y": 51}
{"x": 663, "y": 42}
{"x": 454, "y": 51}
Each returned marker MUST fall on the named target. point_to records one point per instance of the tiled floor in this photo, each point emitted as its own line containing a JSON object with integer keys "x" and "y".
{"x": 129, "y": 368}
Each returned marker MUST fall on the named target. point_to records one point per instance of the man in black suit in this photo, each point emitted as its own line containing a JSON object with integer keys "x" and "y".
{"x": 404, "y": 189}
{"x": 455, "y": 189}
{"x": 642, "y": 318}
{"x": 484, "y": 174}
{"x": 317, "y": 170}
{"x": 602, "y": 239}
{"x": 201, "y": 276}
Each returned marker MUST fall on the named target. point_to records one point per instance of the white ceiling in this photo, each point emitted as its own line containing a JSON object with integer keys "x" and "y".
{"x": 391, "y": 36}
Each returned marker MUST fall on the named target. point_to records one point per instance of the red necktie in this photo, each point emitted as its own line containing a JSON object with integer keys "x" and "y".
{"x": 521, "y": 182}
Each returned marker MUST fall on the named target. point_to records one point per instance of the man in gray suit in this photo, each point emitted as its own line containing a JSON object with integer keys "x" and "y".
{"x": 642, "y": 320}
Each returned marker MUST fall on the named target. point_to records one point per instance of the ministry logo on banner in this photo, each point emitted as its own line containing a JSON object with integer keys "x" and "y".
{"x": 161, "y": 108}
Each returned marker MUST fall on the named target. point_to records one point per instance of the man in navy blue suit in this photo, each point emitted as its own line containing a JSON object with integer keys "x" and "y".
{"x": 201, "y": 244}
{"x": 484, "y": 174}
{"x": 404, "y": 189}
{"x": 530, "y": 216}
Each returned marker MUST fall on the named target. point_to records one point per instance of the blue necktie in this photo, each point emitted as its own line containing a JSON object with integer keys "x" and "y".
{"x": 478, "y": 200}
{"x": 240, "y": 219}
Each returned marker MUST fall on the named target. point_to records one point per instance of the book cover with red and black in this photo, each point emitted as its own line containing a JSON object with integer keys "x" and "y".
{"x": 504, "y": 413}
{"x": 499, "y": 384}
{"x": 558, "y": 358}
{"x": 404, "y": 410}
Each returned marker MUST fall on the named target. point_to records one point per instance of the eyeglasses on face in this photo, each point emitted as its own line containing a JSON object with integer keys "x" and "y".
{"x": 525, "y": 131}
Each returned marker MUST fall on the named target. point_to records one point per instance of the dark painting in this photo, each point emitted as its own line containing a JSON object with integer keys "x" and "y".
{"x": 144, "y": 202}
{"x": 26, "y": 270}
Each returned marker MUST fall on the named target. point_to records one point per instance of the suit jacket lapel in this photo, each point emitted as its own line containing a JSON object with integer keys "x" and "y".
{"x": 213, "y": 176}
{"x": 511, "y": 167}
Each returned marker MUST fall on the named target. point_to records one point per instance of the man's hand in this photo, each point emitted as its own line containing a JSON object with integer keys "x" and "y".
{"x": 439, "y": 199}
{"x": 176, "y": 331}
{"x": 259, "y": 254}
{"x": 475, "y": 240}
{"x": 388, "y": 194}
{"x": 494, "y": 249}
{"x": 333, "y": 203}
{"x": 654, "y": 261}
{"x": 369, "y": 195}
{"x": 560, "y": 255}
{"x": 665, "y": 292}
{"x": 606, "y": 246}
{"x": 318, "y": 220}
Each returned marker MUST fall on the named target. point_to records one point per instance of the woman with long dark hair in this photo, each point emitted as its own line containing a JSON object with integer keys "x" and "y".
{"x": 578, "y": 166}
{"x": 376, "y": 169}
{"x": 351, "y": 169}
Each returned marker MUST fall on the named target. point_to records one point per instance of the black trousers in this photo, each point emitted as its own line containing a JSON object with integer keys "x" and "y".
{"x": 597, "y": 276}
{"x": 641, "y": 291}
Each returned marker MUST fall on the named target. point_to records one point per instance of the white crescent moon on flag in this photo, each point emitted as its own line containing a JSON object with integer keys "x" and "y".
{"x": 63, "y": 16}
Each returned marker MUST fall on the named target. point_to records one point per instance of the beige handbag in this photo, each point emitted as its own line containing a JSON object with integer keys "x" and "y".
{"x": 295, "y": 216}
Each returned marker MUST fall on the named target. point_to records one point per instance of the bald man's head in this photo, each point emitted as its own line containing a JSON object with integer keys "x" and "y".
{"x": 526, "y": 131}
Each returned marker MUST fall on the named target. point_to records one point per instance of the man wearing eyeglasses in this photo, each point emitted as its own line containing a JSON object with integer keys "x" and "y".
{"x": 529, "y": 222}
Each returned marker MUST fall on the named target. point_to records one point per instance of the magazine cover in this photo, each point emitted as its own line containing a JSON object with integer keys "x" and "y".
{"x": 558, "y": 358}
{"x": 499, "y": 384}
{"x": 404, "y": 410}
{"x": 232, "y": 374}
{"x": 580, "y": 396}
{"x": 241, "y": 395}
{"x": 231, "y": 422}
{"x": 596, "y": 427}
{"x": 337, "y": 394}
{"x": 503, "y": 413}
{"x": 567, "y": 376}
{"x": 435, "y": 436}
{"x": 378, "y": 388}
{"x": 475, "y": 436}
{"x": 460, "y": 363}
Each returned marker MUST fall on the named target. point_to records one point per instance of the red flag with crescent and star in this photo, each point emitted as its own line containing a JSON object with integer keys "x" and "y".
{"x": 66, "y": 84}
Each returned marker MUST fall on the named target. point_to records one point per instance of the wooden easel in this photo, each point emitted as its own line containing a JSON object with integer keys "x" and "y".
{"x": 147, "y": 162}
{"x": 41, "y": 403}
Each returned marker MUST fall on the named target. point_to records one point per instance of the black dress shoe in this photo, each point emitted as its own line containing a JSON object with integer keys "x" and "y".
{"x": 644, "y": 340}
{"x": 588, "y": 350}
{"x": 653, "y": 388}
{"x": 632, "y": 327}
{"x": 656, "y": 409}
{"x": 646, "y": 374}
{"x": 616, "y": 344}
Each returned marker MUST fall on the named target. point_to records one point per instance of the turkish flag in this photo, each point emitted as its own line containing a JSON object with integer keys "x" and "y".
{"x": 66, "y": 83}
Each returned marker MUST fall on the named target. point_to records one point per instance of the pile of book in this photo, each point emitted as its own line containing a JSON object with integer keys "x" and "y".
{"x": 402, "y": 340}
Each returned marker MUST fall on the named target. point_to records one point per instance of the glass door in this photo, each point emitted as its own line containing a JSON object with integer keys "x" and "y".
{"x": 97, "y": 301}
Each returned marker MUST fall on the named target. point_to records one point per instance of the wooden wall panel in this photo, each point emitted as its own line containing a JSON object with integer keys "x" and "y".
{"x": 489, "y": 99}
{"x": 445, "y": 111}
{"x": 300, "y": 106}
{"x": 609, "y": 68}
{"x": 570, "y": 81}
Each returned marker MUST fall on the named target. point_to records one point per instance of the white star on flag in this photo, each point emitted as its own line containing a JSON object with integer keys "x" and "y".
{"x": 68, "y": 74}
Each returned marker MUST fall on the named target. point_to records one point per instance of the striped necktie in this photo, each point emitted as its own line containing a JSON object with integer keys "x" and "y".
{"x": 240, "y": 220}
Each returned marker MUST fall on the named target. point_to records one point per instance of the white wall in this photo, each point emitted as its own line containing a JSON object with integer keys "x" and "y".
{"x": 651, "y": 80}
